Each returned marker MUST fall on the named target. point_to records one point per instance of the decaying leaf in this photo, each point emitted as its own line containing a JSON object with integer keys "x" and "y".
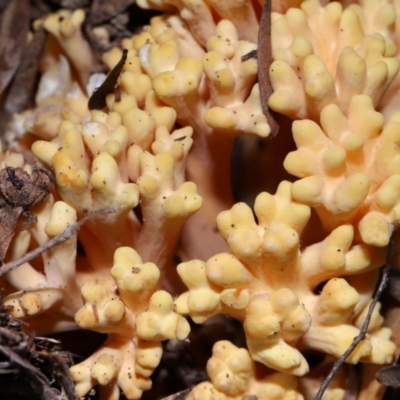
{"x": 103, "y": 10}
{"x": 72, "y": 4}
{"x": 3, "y": 4}
{"x": 8, "y": 223}
{"x": 13, "y": 31}
{"x": 118, "y": 18}
{"x": 37, "y": 362}
{"x": 38, "y": 8}
{"x": 394, "y": 284}
{"x": 23, "y": 84}
{"x": 20, "y": 191}
{"x": 389, "y": 376}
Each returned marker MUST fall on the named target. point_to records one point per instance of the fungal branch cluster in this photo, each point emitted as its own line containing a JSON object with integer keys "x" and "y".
{"x": 298, "y": 269}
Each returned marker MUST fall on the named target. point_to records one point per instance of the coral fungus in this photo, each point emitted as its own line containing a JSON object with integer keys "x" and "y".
{"x": 163, "y": 140}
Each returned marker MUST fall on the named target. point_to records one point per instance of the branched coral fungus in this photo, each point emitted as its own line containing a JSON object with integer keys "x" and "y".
{"x": 356, "y": 164}
{"x": 214, "y": 92}
{"x": 269, "y": 284}
{"x": 136, "y": 321}
{"x": 323, "y": 70}
{"x": 157, "y": 142}
{"x": 233, "y": 374}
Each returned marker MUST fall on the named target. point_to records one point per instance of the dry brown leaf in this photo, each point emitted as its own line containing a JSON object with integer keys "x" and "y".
{"x": 20, "y": 191}
{"x": 98, "y": 99}
{"x": 13, "y": 31}
{"x": 8, "y": 223}
{"x": 23, "y": 84}
{"x": 104, "y": 10}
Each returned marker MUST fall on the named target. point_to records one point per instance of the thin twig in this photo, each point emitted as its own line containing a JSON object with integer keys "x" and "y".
{"x": 364, "y": 328}
{"x": 19, "y": 361}
{"x": 264, "y": 57}
{"x": 178, "y": 396}
{"x": 250, "y": 54}
{"x": 69, "y": 231}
